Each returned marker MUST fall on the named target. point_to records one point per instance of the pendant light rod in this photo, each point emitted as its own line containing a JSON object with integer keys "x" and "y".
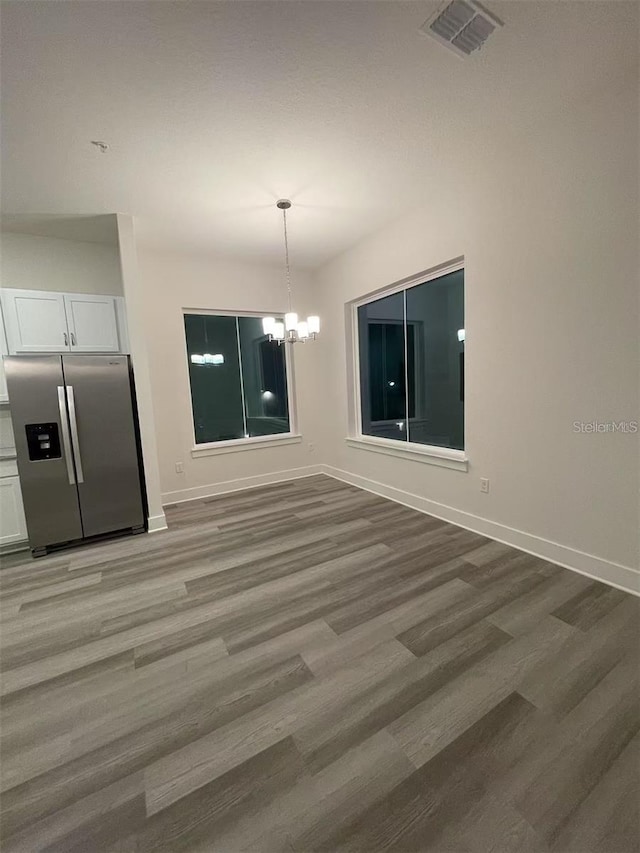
{"x": 284, "y": 204}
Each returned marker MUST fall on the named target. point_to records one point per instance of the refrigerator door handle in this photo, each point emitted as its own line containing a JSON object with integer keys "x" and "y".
{"x": 74, "y": 433}
{"x": 66, "y": 441}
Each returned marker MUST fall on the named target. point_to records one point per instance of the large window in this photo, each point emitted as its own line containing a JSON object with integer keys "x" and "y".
{"x": 238, "y": 379}
{"x": 411, "y": 360}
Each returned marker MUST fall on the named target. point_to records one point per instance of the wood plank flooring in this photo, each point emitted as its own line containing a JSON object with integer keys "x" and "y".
{"x": 307, "y": 666}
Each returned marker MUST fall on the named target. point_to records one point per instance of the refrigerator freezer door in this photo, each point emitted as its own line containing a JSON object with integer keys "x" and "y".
{"x": 104, "y": 442}
{"x": 48, "y": 486}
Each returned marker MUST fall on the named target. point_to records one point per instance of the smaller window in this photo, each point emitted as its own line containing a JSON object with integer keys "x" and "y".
{"x": 411, "y": 363}
{"x": 238, "y": 379}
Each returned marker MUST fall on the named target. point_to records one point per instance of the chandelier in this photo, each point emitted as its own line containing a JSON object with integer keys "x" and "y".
{"x": 291, "y": 330}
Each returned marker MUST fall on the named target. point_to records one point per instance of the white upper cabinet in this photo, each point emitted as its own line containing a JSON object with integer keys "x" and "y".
{"x": 92, "y": 322}
{"x": 35, "y": 321}
{"x": 39, "y": 321}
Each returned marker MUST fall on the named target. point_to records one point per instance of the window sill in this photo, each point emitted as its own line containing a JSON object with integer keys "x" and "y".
{"x": 217, "y": 447}
{"x": 430, "y": 454}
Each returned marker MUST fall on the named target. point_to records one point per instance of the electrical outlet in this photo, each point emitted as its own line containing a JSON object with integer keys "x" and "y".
{"x": 179, "y": 468}
{"x": 484, "y": 485}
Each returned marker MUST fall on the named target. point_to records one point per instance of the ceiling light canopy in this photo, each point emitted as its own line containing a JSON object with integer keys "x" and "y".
{"x": 291, "y": 330}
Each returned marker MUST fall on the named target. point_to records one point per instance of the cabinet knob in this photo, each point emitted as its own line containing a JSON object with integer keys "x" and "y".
{"x": 73, "y": 339}
{"x": 66, "y": 339}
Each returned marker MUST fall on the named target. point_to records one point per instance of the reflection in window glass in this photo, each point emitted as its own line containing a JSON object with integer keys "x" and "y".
{"x": 215, "y": 387}
{"x": 382, "y": 367}
{"x": 435, "y": 313}
{"x": 264, "y": 379}
{"x": 238, "y": 378}
{"x": 411, "y": 358}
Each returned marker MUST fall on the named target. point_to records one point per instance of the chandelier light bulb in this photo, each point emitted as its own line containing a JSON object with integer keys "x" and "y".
{"x": 278, "y": 331}
{"x": 290, "y": 321}
{"x": 303, "y": 330}
{"x": 268, "y": 325}
{"x": 314, "y": 324}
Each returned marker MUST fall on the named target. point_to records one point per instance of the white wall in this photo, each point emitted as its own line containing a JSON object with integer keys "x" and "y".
{"x": 171, "y": 281}
{"x": 45, "y": 263}
{"x": 548, "y": 226}
{"x": 136, "y": 312}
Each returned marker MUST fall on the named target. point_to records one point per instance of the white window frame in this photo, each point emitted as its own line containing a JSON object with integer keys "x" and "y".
{"x": 214, "y": 448}
{"x": 432, "y": 454}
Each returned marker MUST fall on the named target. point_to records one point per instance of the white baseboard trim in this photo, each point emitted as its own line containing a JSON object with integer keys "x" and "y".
{"x": 14, "y": 547}
{"x": 156, "y": 522}
{"x": 614, "y": 574}
{"x": 222, "y": 488}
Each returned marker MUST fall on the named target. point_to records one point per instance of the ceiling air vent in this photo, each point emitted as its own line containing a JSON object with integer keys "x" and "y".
{"x": 463, "y": 26}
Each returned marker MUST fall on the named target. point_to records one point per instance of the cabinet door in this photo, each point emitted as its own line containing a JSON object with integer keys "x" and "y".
{"x": 35, "y": 321}
{"x": 7, "y": 439}
{"x": 13, "y": 526}
{"x": 93, "y": 322}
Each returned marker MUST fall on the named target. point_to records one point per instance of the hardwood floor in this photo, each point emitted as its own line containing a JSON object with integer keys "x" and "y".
{"x": 307, "y": 666}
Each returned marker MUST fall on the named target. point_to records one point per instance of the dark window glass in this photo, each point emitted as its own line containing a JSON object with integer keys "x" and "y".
{"x": 435, "y": 314}
{"x": 382, "y": 367}
{"x": 412, "y": 363}
{"x": 264, "y": 379}
{"x": 238, "y": 378}
{"x": 215, "y": 383}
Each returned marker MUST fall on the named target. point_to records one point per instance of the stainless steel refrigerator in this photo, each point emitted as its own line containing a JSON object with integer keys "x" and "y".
{"x": 78, "y": 452}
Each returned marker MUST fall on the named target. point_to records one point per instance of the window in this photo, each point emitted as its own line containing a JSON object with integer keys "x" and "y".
{"x": 238, "y": 379}
{"x": 411, "y": 360}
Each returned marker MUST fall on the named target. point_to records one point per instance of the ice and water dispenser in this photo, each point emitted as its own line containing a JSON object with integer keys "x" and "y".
{"x": 43, "y": 441}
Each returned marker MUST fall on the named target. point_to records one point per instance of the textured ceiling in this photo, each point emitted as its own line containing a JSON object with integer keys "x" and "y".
{"x": 212, "y": 111}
